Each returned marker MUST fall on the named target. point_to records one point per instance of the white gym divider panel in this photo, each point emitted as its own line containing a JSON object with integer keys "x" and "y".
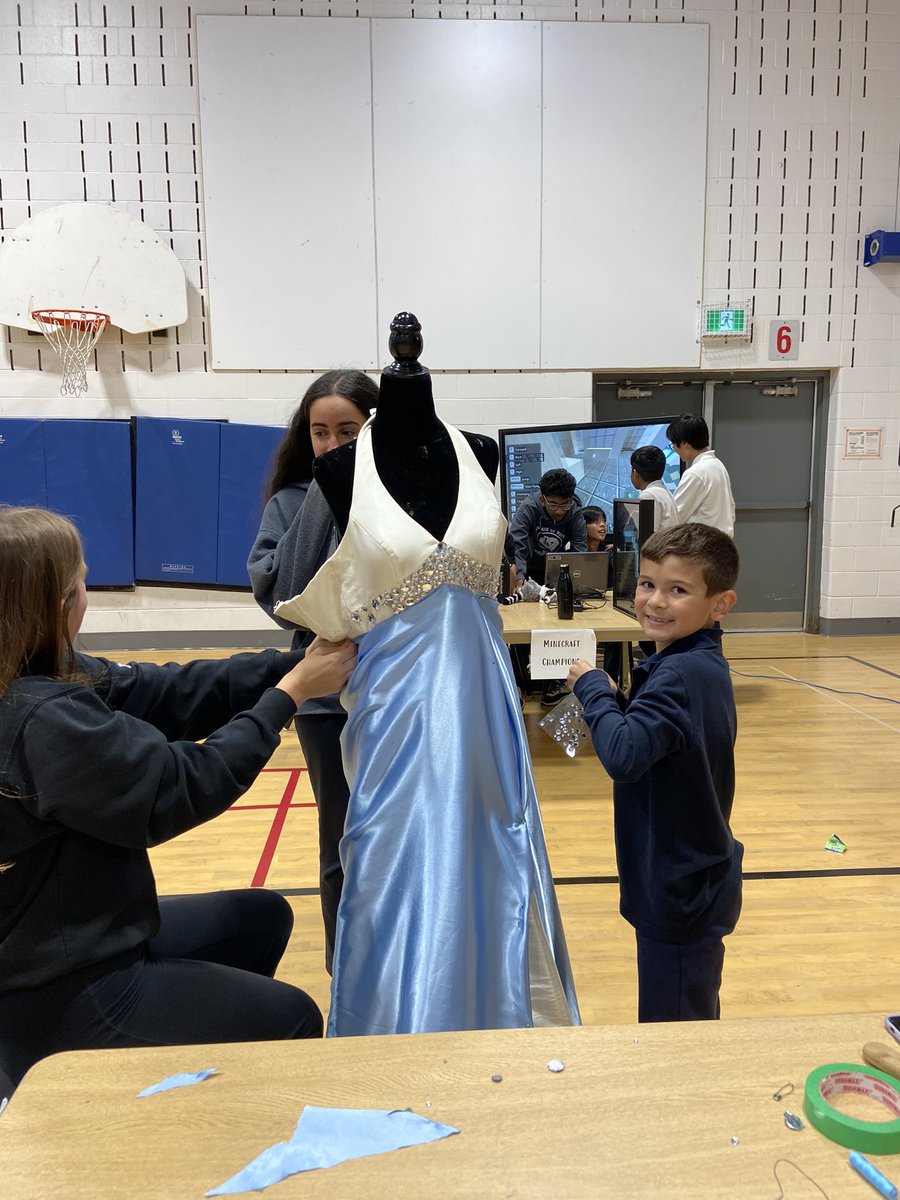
{"x": 286, "y": 132}
{"x": 624, "y": 151}
{"x": 458, "y": 187}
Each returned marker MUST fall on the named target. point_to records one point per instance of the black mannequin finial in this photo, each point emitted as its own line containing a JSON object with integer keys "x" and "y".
{"x": 405, "y": 345}
{"x": 413, "y": 452}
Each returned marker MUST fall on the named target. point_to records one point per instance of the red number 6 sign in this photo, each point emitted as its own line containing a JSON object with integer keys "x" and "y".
{"x": 784, "y": 340}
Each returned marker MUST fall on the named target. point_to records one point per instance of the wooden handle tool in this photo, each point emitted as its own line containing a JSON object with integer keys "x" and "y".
{"x": 876, "y": 1054}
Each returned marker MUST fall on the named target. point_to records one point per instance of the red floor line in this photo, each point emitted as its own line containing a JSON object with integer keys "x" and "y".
{"x": 265, "y": 859}
{"x": 248, "y": 807}
{"x": 282, "y": 770}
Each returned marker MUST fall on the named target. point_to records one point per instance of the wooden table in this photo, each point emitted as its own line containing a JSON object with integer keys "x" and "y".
{"x": 609, "y": 624}
{"x": 640, "y": 1111}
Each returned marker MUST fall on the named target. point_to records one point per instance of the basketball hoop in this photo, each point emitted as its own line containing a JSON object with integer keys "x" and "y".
{"x": 73, "y": 333}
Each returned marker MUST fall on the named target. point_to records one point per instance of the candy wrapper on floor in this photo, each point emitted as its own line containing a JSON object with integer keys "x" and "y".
{"x": 565, "y": 724}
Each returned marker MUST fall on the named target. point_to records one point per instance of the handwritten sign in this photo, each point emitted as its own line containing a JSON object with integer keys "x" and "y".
{"x": 554, "y": 651}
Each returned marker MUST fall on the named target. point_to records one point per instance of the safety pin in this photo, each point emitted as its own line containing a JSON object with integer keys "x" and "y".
{"x": 784, "y": 1090}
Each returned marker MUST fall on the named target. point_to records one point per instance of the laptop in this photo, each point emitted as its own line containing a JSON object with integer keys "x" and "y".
{"x": 589, "y": 570}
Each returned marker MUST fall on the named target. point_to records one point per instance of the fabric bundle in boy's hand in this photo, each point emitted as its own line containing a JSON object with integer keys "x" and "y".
{"x": 565, "y": 724}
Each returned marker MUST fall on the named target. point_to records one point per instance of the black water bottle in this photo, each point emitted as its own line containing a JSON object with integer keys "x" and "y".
{"x": 565, "y": 595}
{"x": 505, "y": 579}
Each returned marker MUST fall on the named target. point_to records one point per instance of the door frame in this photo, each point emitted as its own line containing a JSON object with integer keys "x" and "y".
{"x": 763, "y": 377}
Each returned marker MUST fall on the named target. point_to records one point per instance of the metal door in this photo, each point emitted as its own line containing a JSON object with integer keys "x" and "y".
{"x": 769, "y": 444}
{"x": 766, "y": 442}
{"x": 646, "y": 401}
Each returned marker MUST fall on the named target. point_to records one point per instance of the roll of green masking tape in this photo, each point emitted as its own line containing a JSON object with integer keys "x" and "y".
{"x": 827, "y": 1083}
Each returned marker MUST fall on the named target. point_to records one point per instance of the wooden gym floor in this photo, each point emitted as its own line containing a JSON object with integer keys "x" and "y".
{"x": 819, "y": 930}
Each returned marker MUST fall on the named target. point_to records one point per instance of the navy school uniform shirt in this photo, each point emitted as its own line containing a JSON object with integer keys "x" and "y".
{"x": 669, "y": 749}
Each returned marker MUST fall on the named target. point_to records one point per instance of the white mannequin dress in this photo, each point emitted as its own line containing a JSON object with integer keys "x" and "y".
{"x": 448, "y": 917}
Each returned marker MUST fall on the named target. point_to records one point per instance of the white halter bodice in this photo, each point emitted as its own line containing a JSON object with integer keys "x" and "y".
{"x": 386, "y": 561}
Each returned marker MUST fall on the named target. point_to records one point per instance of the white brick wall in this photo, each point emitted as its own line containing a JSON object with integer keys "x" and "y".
{"x": 98, "y": 100}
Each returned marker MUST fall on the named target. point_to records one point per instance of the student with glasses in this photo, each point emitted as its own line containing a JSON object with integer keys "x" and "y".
{"x": 548, "y": 523}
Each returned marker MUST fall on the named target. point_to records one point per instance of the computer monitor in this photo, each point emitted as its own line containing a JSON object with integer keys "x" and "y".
{"x": 597, "y": 454}
{"x": 632, "y": 525}
{"x": 590, "y": 571}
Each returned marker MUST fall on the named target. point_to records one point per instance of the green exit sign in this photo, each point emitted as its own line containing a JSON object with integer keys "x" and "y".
{"x": 725, "y": 321}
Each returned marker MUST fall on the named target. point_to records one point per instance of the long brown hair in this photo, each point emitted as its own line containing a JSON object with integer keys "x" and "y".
{"x": 293, "y": 461}
{"x": 41, "y": 560}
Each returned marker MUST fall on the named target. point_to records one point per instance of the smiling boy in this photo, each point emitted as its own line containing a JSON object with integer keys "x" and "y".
{"x": 669, "y": 748}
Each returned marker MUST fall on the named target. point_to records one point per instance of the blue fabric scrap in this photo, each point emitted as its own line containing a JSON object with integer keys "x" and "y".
{"x": 326, "y": 1136}
{"x": 184, "y": 1079}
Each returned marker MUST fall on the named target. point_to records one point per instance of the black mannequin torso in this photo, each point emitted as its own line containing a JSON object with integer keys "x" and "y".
{"x": 413, "y": 453}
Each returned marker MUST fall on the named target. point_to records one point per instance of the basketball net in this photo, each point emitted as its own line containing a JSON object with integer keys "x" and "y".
{"x": 73, "y": 333}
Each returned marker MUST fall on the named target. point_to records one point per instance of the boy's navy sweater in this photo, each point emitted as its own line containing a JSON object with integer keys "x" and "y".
{"x": 92, "y": 773}
{"x": 669, "y": 749}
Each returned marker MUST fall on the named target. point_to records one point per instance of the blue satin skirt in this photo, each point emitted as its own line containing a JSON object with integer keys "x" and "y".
{"x": 448, "y": 912}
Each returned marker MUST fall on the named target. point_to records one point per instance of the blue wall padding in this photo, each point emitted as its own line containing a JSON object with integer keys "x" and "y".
{"x": 89, "y": 480}
{"x": 245, "y": 464}
{"x": 23, "y": 478}
{"x": 176, "y": 520}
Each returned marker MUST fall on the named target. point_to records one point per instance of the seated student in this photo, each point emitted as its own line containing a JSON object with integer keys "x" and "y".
{"x": 669, "y": 748}
{"x": 599, "y": 537}
{"x": 596, "y": 526}
{"x": 548, "y": 523}
{"x": 97, "y": 762}
{"x": 648, "y": 465}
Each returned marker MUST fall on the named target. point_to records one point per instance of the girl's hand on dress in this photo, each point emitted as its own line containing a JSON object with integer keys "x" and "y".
{"x": 324, "y": 669}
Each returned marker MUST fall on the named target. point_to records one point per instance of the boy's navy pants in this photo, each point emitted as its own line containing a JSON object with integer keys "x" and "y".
{"x": 680, "y": 981}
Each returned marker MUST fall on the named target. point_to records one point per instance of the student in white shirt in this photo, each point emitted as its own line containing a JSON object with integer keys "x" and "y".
{"x": 704, "y": 493}
{"x": 648, "y": 464}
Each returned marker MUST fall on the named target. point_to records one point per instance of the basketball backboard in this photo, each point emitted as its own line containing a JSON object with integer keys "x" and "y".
{"x": 94, "y": 257}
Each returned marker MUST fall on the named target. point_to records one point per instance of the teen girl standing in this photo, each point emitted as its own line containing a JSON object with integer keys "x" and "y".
{"x": 296, "y": 535}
